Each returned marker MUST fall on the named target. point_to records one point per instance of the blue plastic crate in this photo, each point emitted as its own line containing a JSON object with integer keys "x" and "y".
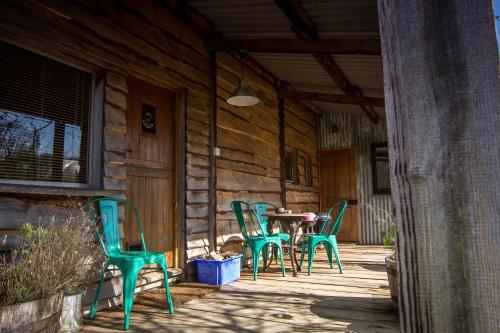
{"x": 218, "y": 272}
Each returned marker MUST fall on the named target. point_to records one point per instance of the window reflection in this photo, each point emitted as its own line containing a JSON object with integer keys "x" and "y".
{"x": 71, "y": 161}
{"x": 32, "y": 149}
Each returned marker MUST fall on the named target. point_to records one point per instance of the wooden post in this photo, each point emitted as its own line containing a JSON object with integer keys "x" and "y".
{"x": 212, "y": 195}
{"x": 180, "y": 173}
{"x": 442, "y": 94}
{"x": 281, "y": 111}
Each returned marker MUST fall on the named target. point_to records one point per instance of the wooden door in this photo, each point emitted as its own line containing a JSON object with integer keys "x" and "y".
{"x": 338, "y": 182}
{"x": 150, "y": 166}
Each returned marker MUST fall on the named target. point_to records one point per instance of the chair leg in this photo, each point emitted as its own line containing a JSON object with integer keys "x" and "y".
{"x": 302, "y": 253}
{"x": 336, "y": 252}
{"x": 275, "y": 249}
{"x": 245, "y": 244}
{"x": 167, "y": 288}
{"x": 265, "y": 254}
{"x": 97, "y": 294}
{"x": 256, "y": 258}
{"x": 129, "y": 280}
{"x": 310, "y": 256}
{"x": 280, "y": 248}
{"x": 328, "y": 248}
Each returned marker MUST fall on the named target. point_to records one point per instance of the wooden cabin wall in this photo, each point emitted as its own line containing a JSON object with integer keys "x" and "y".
{"x": 116, "y": 40}
{"x": 248, "y": 167}
{"x": 301, "y": 137}
{"x": 144, "y": 39}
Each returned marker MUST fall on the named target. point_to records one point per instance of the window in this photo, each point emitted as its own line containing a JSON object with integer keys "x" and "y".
{"x": 44, "y": 119}
{"x": 307, "y": 170}
{"x": 380, "y": 168}
{"x": 290, "y": 166}
{"x": 304, "y": 169}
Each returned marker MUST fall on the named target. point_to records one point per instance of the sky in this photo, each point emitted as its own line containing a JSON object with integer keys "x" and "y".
{"x": 496, "y": 6}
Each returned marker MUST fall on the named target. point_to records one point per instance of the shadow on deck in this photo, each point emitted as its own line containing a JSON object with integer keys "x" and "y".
{"x": 326, "y": 301}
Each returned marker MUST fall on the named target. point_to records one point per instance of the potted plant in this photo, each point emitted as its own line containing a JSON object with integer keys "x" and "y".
{"x": 385, "y": 218}
{"x": 388, "y": 238}
{"x": 52, "y": 258}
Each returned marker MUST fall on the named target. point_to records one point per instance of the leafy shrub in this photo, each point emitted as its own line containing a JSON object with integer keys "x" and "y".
{"x": 384, "y": 217}
{"x": 57, "y": 256}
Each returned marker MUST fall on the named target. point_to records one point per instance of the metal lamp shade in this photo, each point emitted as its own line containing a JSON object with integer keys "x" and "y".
{"x": 243, "y": 96}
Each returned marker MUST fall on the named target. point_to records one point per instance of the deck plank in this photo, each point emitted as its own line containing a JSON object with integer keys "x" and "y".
{"x": 326, "y": 301}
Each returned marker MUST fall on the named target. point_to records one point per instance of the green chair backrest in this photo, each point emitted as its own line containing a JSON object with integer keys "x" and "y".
{"x": 341, "y": 205}
{"x": 108, "y": 211}
{"x": 239, "y": 208}
{"x": 261, "y": 208}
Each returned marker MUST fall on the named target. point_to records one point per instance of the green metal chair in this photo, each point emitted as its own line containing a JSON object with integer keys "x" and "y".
{"x": 255, "y": 238}
{"x": 328, "y": 239}
{"x": 262, "y": 207}
{"x": 129, "y": 262}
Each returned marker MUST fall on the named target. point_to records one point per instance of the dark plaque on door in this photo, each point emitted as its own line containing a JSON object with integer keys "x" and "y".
{"x": 148, "y": 119}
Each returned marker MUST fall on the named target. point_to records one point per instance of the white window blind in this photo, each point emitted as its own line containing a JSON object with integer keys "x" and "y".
{"x": 44, "y": 118}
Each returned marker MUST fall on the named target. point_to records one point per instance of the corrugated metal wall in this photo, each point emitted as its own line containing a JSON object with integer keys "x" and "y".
{"x": 339, "y": 130}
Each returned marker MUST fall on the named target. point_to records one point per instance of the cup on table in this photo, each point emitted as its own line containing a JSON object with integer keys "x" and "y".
{"x": 280, "y": 210}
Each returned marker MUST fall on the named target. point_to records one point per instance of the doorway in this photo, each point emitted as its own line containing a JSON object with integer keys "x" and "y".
{"x": 338, "y": 182}
{"x": 150, "y": 162}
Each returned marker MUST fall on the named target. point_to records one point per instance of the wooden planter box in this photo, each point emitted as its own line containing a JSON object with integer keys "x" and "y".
{"x": 36, "y": 316}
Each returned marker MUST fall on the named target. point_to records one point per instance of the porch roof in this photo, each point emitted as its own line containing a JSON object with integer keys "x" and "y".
{"x": 264, "y": 19}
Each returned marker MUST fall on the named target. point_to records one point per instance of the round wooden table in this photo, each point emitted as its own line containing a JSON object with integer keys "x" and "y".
{"x": 292, "y": 224}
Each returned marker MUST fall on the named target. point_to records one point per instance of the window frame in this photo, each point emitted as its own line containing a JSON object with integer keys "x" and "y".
{"x": 94, "y": 146}
{"x": 377, "y": 189}
{"x": 307, "y": 169}
{"x": 293, "y": 166}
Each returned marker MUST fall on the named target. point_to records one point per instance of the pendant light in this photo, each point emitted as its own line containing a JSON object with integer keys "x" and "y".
{"x": 243, "y": 95}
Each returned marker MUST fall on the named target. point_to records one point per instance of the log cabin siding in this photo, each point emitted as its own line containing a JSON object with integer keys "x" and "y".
{"x": 249, "y": 166}
{"x": 145, "y": 40}
{"x": 140, "y": 39}
{"x": 301, "y": 136}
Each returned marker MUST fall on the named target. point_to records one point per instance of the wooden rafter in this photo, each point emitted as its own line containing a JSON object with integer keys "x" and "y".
{"x": 203, "y": 25}
{"x": 333, "y": 46}
{"x": 334, "y": 98}
{"x": 207, "y": 28}
{"x": 304, "y": 28}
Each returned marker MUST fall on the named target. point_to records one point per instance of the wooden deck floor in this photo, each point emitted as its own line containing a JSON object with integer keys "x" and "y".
{"x": 326, "y": 301}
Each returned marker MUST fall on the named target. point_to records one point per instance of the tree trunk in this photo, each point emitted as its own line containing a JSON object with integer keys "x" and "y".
{"x": 442, "y": 93}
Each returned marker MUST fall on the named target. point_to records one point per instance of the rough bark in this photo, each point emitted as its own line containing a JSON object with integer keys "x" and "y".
{"x": 442, "y": 96}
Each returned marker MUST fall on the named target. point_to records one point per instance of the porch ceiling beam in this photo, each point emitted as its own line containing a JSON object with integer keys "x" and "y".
{"x": 199, "y": 22}
{"x": 207, "y": 29}
{"x": 304, "y": 28}
{"x": 334, "y": 98}
{"x": 333, "y": 46}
